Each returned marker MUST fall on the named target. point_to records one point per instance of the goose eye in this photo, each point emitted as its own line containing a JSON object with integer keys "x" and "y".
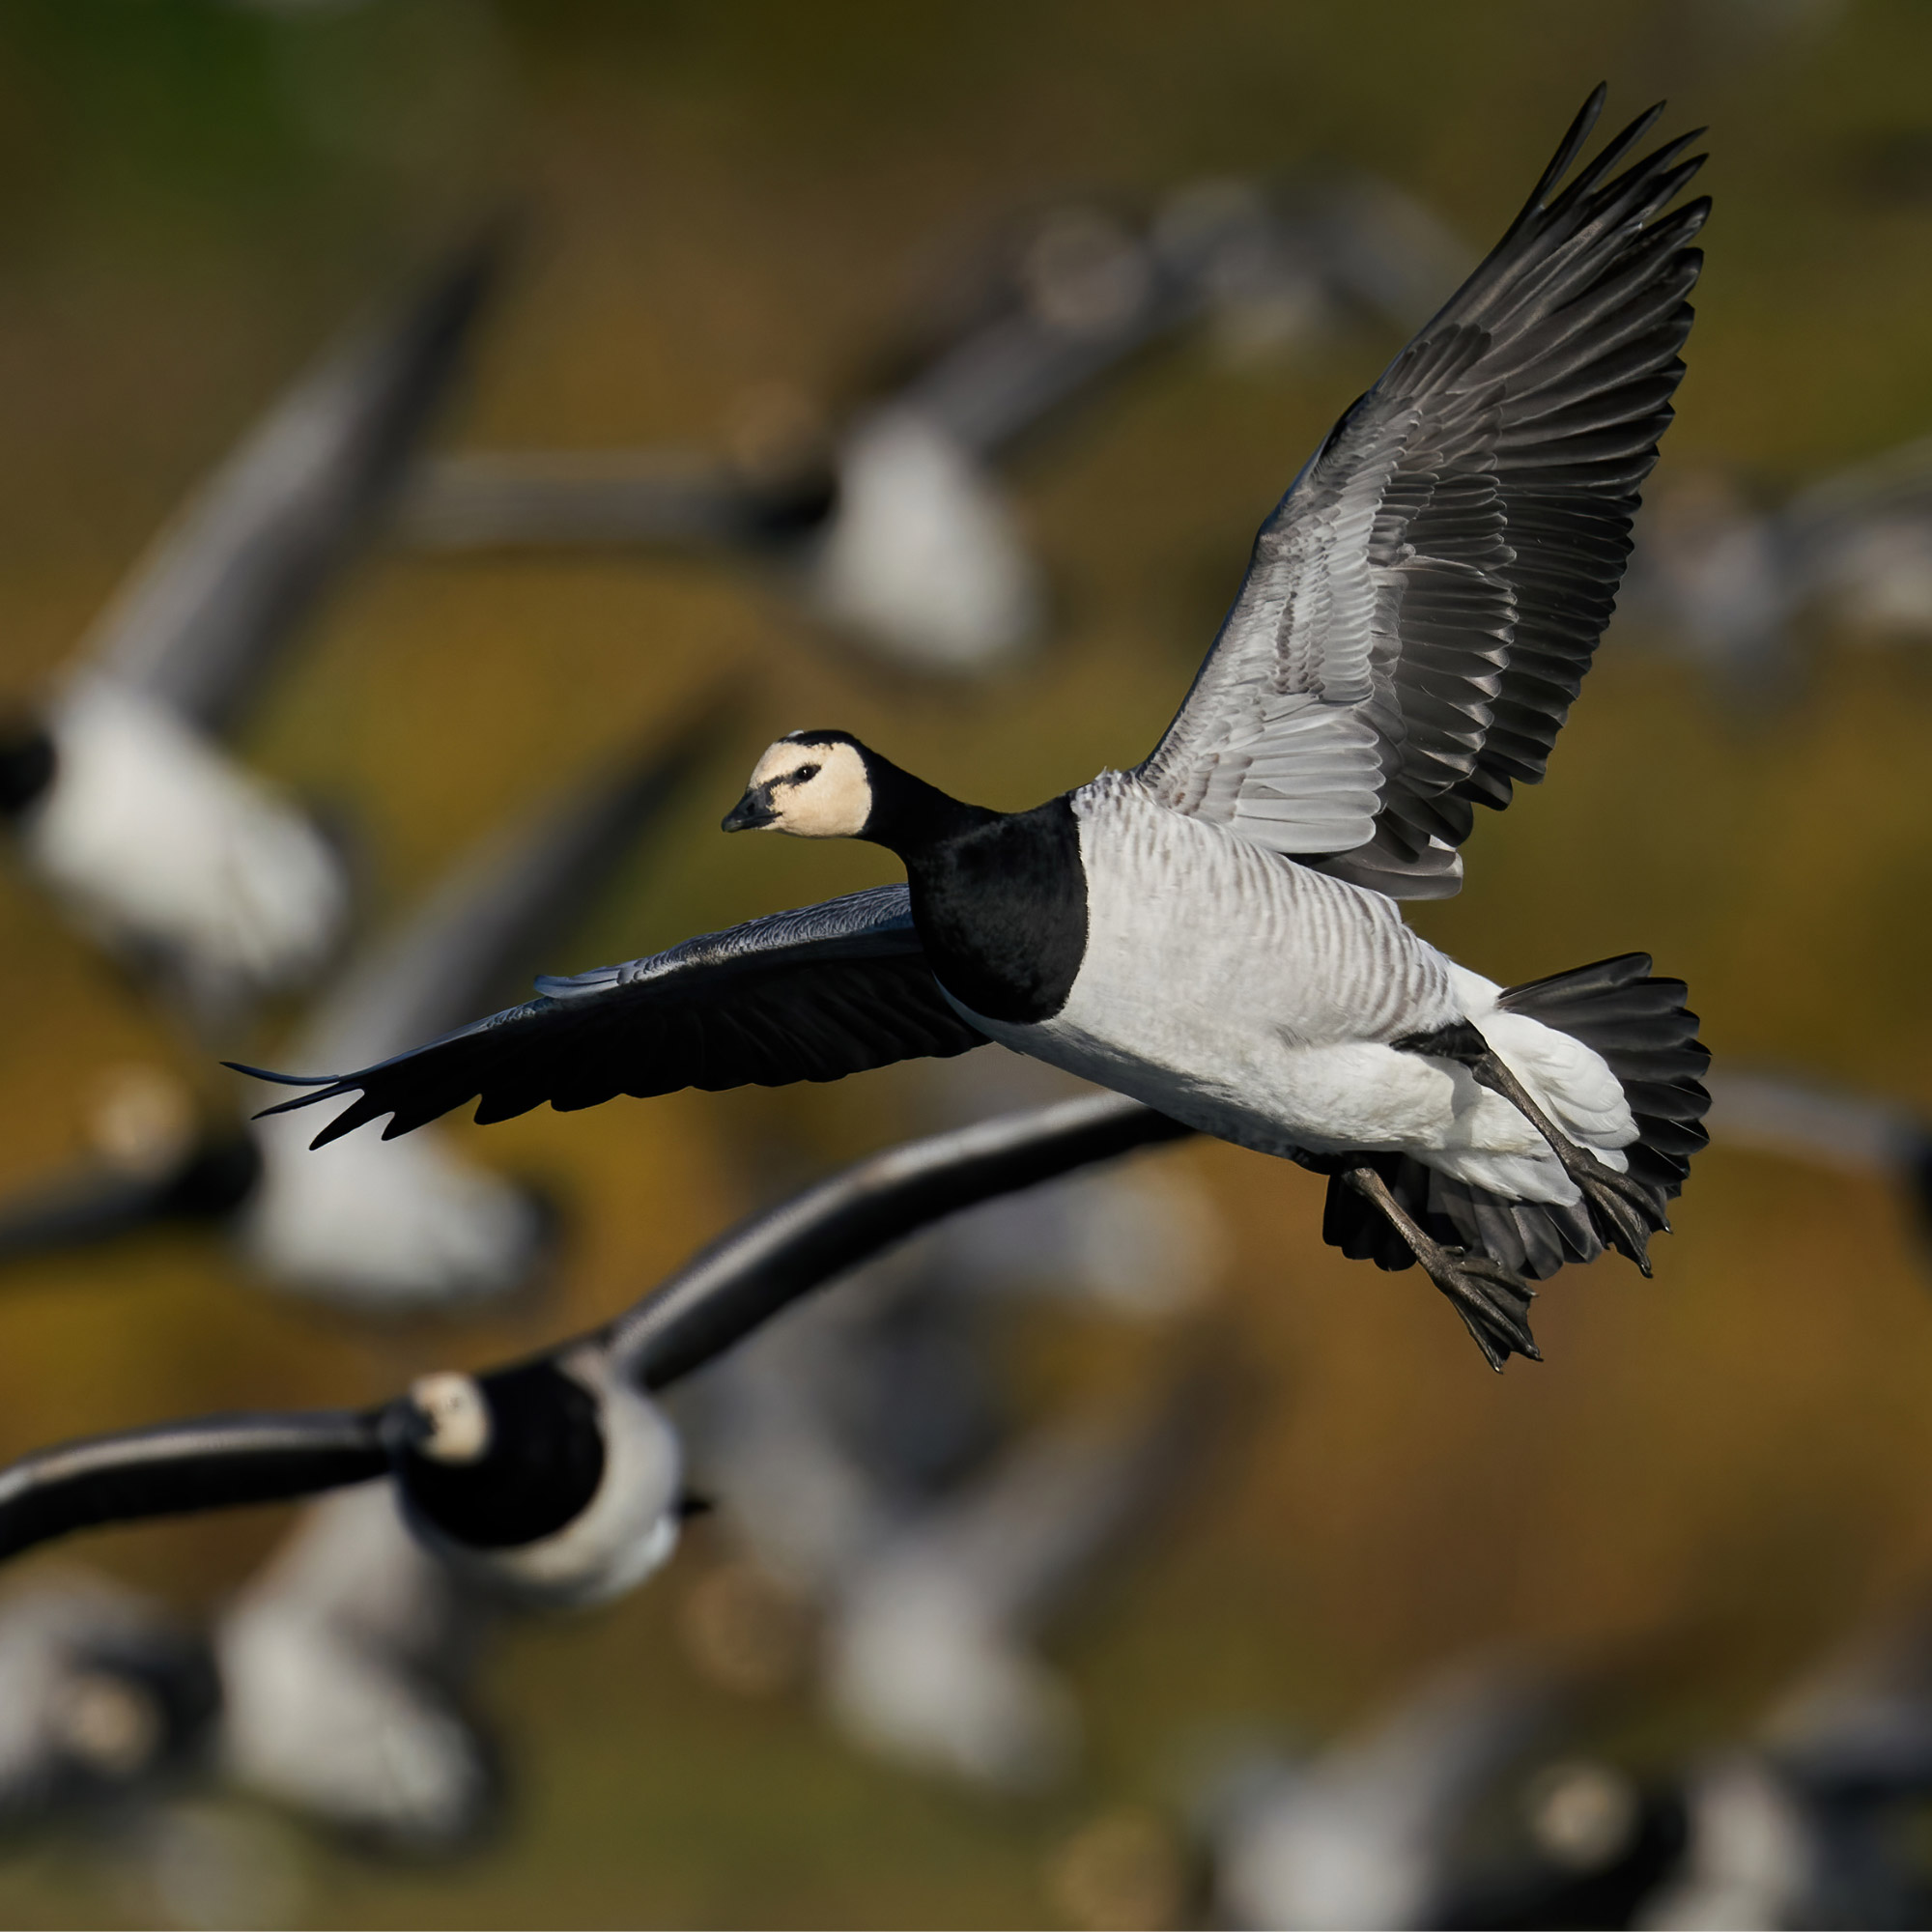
{"x": 805, "y": 772}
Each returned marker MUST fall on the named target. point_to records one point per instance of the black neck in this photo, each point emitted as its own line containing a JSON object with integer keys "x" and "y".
{"x": 26, "y": 766}
{"x": 914, "y": 819}
{"x": 544, "y": 1464}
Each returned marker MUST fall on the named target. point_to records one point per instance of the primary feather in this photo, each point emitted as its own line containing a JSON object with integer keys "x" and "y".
{"x": 1422, "y": 607}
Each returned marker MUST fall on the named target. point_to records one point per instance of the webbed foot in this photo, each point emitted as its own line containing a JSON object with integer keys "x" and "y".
{"x": 1491, "y": 1299}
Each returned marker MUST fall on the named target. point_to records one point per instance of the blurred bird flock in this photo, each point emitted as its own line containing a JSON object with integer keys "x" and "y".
{"x": 1116, "y": 1556}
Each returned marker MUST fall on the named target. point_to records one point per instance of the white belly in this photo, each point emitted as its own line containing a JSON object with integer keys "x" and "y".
{"x": 1258, "y": 1000}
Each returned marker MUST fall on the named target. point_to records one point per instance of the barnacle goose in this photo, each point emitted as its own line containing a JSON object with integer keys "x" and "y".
{"x": 356, "y": 1227}
{"x": 346, "y": 1664}
{"x": 1216, "y": 931}
{"x": 557, "y": 1480}
{"x": 103, "y": 1698}
{"x": 126, "y": 804}
{"x": 891, "y": 526}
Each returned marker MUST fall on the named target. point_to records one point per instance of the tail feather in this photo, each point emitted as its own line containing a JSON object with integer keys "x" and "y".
{"x": 1645, "y": 1034}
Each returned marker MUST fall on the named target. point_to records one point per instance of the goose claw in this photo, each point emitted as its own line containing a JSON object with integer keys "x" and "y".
{"x": 1621, "y": 1206}
{"x": 1492, "y": 1300}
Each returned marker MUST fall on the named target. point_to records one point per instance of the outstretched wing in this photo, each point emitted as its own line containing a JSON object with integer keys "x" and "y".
{"x": 218, "y": 1462}
{"x": 811, "y": 995}
{"x": 744, "y": 1280}
{"x": 1422, "y": 605}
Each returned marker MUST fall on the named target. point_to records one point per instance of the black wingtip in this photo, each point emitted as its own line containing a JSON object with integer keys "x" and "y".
{"x": 1571, "y": 145}
{"x": 286, "y": 1107}
{"x": 282, "y": 1079}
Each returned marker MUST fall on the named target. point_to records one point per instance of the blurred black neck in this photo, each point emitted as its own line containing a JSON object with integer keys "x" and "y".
{"x": 27, "y": 762}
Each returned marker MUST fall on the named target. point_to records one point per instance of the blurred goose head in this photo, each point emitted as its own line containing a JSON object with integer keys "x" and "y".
{"x": 556, "y": 1481}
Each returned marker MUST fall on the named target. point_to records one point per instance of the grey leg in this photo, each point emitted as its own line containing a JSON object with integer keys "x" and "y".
{"x": 1627, "y": 1212}
{"x": 1492, "y": 1301}
{"x": 1630, "y": 1213}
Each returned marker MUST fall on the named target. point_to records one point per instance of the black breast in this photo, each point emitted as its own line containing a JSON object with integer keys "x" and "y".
{"x": 1001, "y": 912}
{"x": 545, "y": 1462}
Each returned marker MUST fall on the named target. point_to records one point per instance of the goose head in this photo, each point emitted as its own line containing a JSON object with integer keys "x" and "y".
{"x": 813, "y": 785}
{"x": 825, "y": 784}
{"x": 554, "y": 1481}
{"x": 449, "y": 1420}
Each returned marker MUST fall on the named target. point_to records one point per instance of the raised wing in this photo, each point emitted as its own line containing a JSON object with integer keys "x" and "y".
{"x": 229, "y": 579}
{"x": 1423, "y": 605}
{"x": 650, "y": 499}
{"x": 810, "y": 995}
{"x": 745, "y": 1279}
{"x": 218, "y": 1462}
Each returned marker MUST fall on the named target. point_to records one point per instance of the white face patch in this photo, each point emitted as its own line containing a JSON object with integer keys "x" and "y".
{"x": 458, "y": 1417}
{"x": 816, "y": 791}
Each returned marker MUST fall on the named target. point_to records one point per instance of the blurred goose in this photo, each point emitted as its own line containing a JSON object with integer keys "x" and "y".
{"x": 892, "y": 528}
{"x": 1214, "y": 932}
{"x": 342, "y": 1664}
{"x": 848, "y": 1422}
{"x": 125, "y": 806}
{"x": 1367, "y": 1834}
{"x": 1789, "y": 1114}
{"x": 102, "y": 1700}
{"x": 374, "y": 1232}
{"x": 437, "y": 1227}
{"x": 930, "y": 1641}
{"x": 325, "y": 1687}
{"x": 1811, "y": 1821}
{"x": 557, "y": 1480}
{"x": 1731, "y": 580}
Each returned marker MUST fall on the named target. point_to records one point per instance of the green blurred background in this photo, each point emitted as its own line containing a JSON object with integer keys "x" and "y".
{"x": 1721, "y": 1467}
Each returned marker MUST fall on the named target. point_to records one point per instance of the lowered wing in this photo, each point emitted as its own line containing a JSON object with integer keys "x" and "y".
{"x": 810, "y": 995}
{"x": 218, "y": 1462}
{"x": 1421, "y": 608}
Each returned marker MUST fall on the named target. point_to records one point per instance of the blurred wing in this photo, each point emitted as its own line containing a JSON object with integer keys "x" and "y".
{"x": 1082, "y": 297}
{"x": 176, "y": 1467}
{"x": 477, "y": 937}
{"x": 811, "y": 995}
{"x": 654, "y": 498}
{"x": 745, "y": 1279}
{"x": 1421, "y": 608}
{"x": 231, "y": 578}
{"x": 77, "y": 1210}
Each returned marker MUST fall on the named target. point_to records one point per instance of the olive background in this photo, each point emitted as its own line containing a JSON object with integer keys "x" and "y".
{"x": 1709, "y": 1476}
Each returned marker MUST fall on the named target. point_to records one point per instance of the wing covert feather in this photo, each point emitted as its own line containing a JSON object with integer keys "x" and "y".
{"x": 813, "y": 994}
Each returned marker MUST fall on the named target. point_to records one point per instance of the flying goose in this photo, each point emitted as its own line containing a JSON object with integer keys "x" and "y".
{"x": 344, "y": 1665}
{"x": 441, "y": 1229}
{"x": 1367, "y": 1832}
{"x": 1476, "y": 1800}
{"x": 1811, "y": 1820}
{"x": 102, "y": 1698}
{"x": 125, "y": 806}
{"x": 1216, "y": 931}
{"x": 931, "y": 1635}
{"x": 892, "y": 527}
{"x": 557, "y": 1479}
{"x": 354, "y": 1227}
{"x": 329, "y": 1686}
